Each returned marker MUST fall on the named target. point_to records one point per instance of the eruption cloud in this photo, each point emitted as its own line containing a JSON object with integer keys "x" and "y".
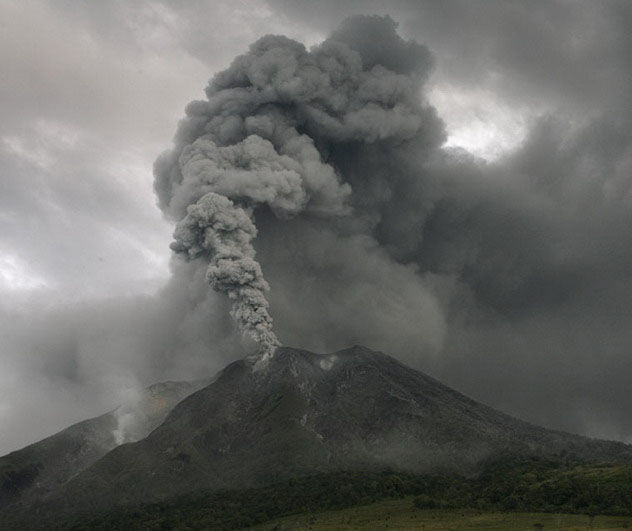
{"x": 267, "y": 140}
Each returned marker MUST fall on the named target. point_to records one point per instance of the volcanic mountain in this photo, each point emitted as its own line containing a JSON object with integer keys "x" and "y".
{"x": 305, "y": 413}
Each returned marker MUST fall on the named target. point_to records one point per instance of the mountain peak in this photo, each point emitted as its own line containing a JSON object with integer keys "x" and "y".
{"x": 297, "y": 360}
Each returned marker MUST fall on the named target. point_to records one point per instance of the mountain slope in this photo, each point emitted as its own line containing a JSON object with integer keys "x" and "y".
{"x": 40, "y": 468}
{"x": 305, "y": 413}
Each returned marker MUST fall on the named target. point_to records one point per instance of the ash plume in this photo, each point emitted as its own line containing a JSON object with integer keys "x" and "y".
{"x": 215, "y": 227}
{"x": 263, "y": 139}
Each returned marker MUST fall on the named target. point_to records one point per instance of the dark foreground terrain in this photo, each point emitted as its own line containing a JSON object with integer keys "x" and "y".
{"x": 506, "y": 493}
{"x": 310, "y": 432}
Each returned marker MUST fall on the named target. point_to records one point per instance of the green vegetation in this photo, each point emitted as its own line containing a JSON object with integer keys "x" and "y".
{"x": 519, "y": 488}
{"x": 532, "y": 484}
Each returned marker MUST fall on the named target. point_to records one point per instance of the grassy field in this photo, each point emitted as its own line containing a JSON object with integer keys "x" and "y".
{"x": 402, "y": 514}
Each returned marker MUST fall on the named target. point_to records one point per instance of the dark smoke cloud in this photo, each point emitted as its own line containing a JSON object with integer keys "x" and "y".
{"x": 281, "y": 127}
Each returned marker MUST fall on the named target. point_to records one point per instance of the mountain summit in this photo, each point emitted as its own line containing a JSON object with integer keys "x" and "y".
{"x": 304, "y": 413}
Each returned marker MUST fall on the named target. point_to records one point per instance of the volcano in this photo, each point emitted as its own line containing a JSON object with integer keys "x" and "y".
{"x": 304, "y": 413}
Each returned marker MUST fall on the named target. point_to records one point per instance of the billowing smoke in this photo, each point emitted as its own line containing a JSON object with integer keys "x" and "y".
{"x": 215, "y": 227}
{"x": 220, "y": 185}
{"x": 261, "y": 141}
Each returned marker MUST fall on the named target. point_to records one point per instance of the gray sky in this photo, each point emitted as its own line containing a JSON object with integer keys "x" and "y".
{"x": 504, "y": 273}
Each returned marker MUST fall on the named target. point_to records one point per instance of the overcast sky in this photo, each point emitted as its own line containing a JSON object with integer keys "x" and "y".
{"x": 519, "y": 294}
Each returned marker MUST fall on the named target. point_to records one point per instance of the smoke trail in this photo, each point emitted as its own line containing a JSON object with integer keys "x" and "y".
{"x": 215, "y": 227}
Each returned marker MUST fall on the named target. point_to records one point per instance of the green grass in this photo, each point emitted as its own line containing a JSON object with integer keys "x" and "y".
{"x": 402, "y": 514}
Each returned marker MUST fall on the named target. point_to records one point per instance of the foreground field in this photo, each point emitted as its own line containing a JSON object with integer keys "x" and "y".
{"x": 402, "y": 514}
{"x": 509, "y": 493}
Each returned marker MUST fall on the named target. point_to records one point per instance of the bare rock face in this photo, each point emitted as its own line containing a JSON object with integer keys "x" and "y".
{"x": 304, "y": 413}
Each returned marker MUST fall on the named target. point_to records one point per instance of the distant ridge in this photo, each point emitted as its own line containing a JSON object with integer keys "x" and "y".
{"x": 40, "y": 468}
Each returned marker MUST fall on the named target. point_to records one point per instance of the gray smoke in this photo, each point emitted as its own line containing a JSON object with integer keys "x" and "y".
{"x": 215, "y": 227}
{"x": 262, "y": 139}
